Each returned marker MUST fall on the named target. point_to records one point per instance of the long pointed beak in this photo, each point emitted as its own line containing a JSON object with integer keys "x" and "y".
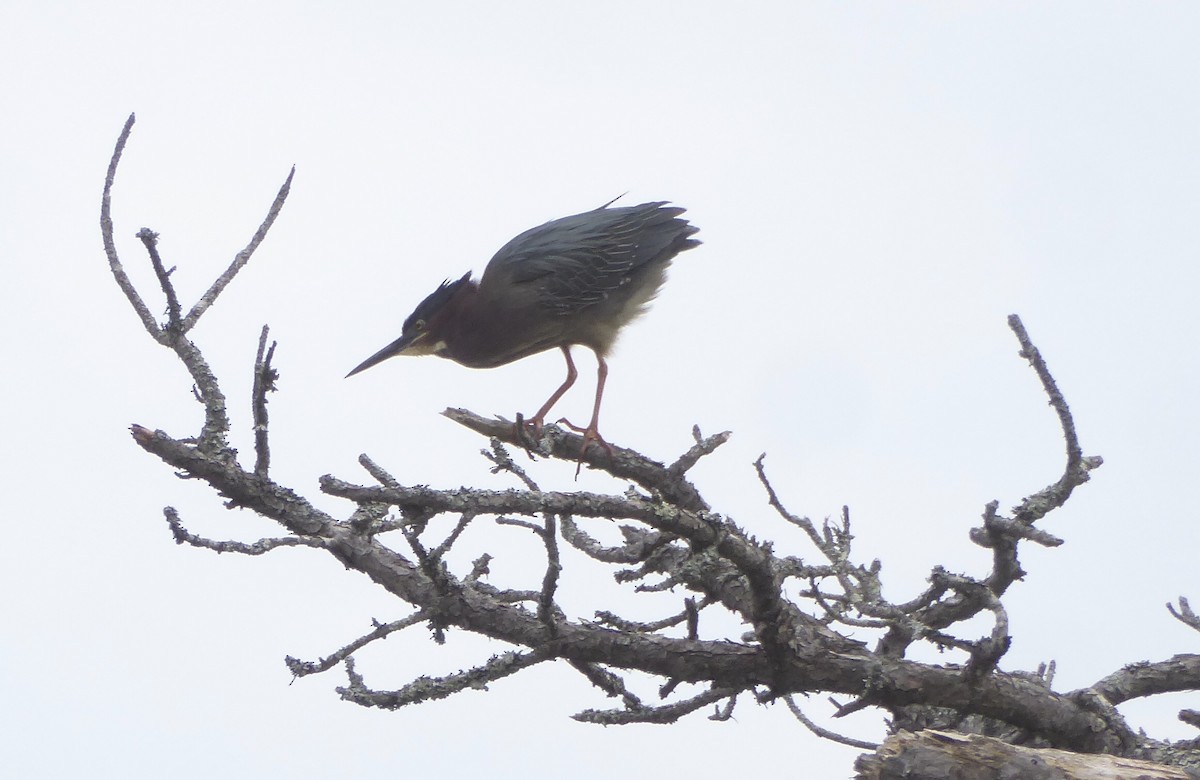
{"x": 397, "y": 347}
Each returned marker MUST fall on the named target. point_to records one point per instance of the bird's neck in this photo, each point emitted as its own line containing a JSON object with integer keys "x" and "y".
{"x": 479, "y": 335}
{"x": 467, "y": 337}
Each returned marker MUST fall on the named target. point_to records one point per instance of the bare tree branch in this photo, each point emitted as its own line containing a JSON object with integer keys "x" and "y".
{"x": 500, "y": 456}
{"x": 432, "y": 688}
{"x": 264, "y": 382}
{"x": 150, "y": 240}
{"x": 184, "y": 536}
{"x": 1003, "y": 535}
{"x": 242, "y": 257}
{"x": 382, "y": 631}
{"x": 668, "y": 713}
{"x": 1177, "y": 673}
{"x": 213, "y": 436}
{"x": 702, "y": 447}
{"x": 824, "y": 733}
{"x": 671, "y": 539}
{"x": 688, "y": 615}
{"x": 623, "y": 464}
{"x": 1185, "y": 614}
{"x": 110, "y": 247}
{"x": 608, "y": 682}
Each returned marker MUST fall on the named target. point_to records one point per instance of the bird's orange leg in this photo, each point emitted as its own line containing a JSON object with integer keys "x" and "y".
{"x": 592, "y": 432}
{"x": 540, "y": 418}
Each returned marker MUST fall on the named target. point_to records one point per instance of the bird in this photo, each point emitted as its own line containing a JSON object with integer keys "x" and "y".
{"x": 574, "y": 281}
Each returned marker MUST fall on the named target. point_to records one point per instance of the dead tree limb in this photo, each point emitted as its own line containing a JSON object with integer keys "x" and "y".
{"x": 400, "y": 537}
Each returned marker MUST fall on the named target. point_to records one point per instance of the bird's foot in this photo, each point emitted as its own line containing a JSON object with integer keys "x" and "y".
{"x": 528, "y": 432}
{"x": 590, "y": 434}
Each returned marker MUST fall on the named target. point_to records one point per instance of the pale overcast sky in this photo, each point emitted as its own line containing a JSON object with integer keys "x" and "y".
{"x": 877, "y": 187}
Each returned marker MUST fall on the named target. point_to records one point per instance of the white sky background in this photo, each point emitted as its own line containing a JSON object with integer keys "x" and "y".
{"x": 877, "y": 187}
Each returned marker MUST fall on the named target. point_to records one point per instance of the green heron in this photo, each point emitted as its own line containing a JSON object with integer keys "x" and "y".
{"x": 576, "y": 280}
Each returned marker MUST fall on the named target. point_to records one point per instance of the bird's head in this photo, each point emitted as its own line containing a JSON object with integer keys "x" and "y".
{"x": 423, "y": 332}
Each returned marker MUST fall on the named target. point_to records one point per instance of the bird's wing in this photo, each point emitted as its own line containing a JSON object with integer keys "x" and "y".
{"x": 575, "y": 262}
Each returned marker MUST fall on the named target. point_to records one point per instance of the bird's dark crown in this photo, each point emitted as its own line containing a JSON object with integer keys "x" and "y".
{"x": 436, "y": 301}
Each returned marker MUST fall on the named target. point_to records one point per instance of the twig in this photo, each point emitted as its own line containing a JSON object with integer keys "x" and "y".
{"x": 149, "y": 240}
{"x": 668, "y": 713}
{"x": 686, "y": 616}
{"x": 549, "y": 536}
{"x": 693, "y": 620}
{"x": 701, "y": 448}
{"x": 440, "y": 551}
{"x": 725, "y": 713}
{"x": 478, "y": 569}
{"x": 184, "y": 536}
{"x": 1031, "y": 353}
{"x": 994, "y": 525}
{"x": 302, "y": 668}
{"x": 110, "y": 247}
{"x": 825, "y": 733}
{"x": 430, "y": 688}
{"x": 546, "y": 606}
{"x": 264, "y": 382}
{"x": 378, "y": 472}
{"x": 241, "y": 258}
{"x": 1036, "y": 506}
{"x": 1185, "y": 614}
{"x": 500, "y": 456}
{"x": 1000, "y": 534}
{"x": 608, "y": 682}
{"x": 639, "y": 543}
{"x": 801, "y": 522}
{"x": 1045, "y": 673}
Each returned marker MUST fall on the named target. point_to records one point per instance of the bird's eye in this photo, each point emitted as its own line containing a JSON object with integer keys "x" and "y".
{"x": 419, "y": 325}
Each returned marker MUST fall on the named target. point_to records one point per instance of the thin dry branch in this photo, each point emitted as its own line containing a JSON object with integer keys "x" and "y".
{"x": 184, "y": 536}
{"x": 1003, "y": 535}
{"x": 803, "y": 523}
{"x": 438, "y": 553}
{"x": 110, "y": 247}
{"x": 547, "y": 609}
{"x": 431, "y": 688}
{"x": 611, "y": 684}
{"x": 500, "y": 456}
{"x": 688, "y": 615}
{"x": 639, "y": 543}
{"x": 241, "y": 258}
{"x": 264, "y": 382}
{"x": 212, "y": 438}
{"x": 149, "y": 239}
{"x": 702, "y": 447}
{"x": 1078, "y": 468}
{"x": 378, "y": 472}
{"x": 382, "y": 631}
{"x": 667, "y": 713}
{"x": 825, "y": 733}
{"x": 1184, "y": 614}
